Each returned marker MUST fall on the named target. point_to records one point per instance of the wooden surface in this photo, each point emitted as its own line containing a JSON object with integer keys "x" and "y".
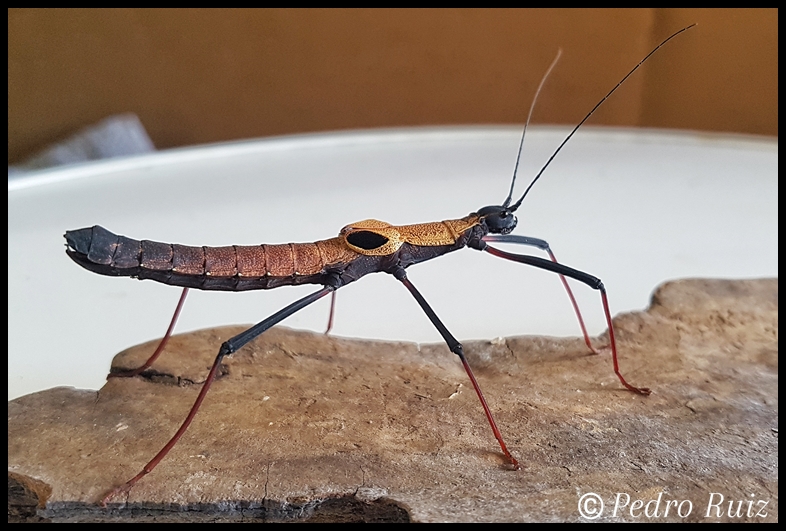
{"x": 197, "y": 76}
{"x": 305, "y": 427}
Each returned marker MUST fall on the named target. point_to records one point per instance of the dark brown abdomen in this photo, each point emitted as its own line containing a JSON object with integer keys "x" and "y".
{"x": 232, "y": 268}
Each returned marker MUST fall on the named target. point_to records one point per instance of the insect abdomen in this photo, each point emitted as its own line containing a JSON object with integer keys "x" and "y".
{"x": 232, "y": 268}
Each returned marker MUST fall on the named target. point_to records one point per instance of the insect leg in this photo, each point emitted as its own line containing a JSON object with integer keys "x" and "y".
{"x": 227, "y": 348}
{"x": 332, "y": 312}
{"x": 544, "y": 246}
{"x": 161, "y": 345}
{"x": 457, "y": 349}
{"x": 593, "y": 282}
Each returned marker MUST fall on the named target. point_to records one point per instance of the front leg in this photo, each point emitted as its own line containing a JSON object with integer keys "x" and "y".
{"x": 544, "y": 246}
{"x": 591, "y": 281}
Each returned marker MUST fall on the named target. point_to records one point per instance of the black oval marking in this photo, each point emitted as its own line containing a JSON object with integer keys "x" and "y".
{"x": 365, "y": 239}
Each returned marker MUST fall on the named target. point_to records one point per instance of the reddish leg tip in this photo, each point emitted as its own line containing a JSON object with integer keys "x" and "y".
{"x": 512, "y": 460}
{"x": 645, "y": 391}
{"x": 592, "y": 349}
{"x": 109, "y": 495}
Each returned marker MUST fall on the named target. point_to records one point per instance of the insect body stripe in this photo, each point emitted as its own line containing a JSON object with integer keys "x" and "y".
{"x": 156, "y": 255}
{"x": 220, "y": 261}
{"x": 187, "y": 260}
{"x": 251, "y": 261}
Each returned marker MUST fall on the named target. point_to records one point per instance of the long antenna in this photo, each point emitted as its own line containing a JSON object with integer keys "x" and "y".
{"x": 529, "y": 117}
{"x": 518, "y": 203}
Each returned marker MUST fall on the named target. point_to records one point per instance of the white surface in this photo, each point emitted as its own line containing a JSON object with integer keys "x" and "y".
{"x": 634, "y": 208}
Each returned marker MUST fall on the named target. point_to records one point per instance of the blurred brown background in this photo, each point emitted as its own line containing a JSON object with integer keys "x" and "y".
{"x": 196, "y": 76}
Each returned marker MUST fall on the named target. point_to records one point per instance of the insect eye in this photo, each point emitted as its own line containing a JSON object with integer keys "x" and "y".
{"x": 365, "y": 239}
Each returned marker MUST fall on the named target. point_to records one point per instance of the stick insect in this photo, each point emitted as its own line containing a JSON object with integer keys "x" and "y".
{"x": 361, "y": 248}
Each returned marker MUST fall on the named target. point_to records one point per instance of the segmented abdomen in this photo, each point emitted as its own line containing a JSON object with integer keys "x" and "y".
{"x": 232, "y": 268}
